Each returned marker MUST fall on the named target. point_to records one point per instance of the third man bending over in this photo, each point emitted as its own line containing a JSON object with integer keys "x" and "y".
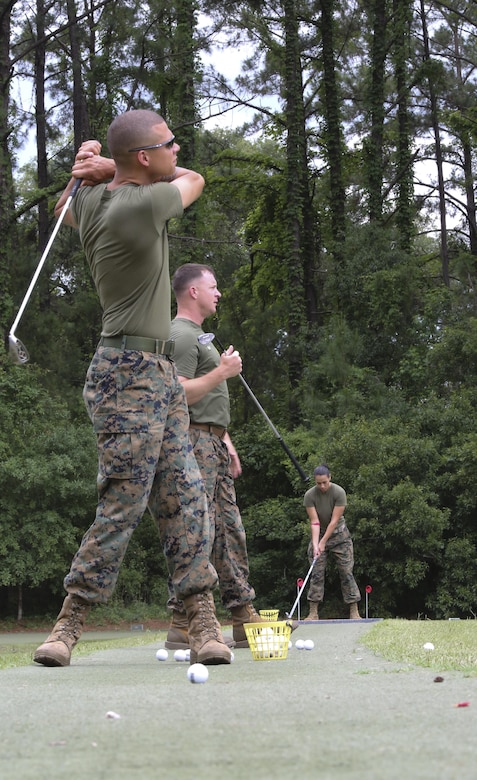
{"x": 325, "y": 505}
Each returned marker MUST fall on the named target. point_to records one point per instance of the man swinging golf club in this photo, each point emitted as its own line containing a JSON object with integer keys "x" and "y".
{"x": 134, "y": 398}
{"x": 325, "y": 505}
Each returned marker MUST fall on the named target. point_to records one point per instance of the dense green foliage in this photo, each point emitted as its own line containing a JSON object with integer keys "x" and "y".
{"x": 339, "y": 215}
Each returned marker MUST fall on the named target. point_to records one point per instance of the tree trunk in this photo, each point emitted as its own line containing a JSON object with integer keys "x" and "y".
{"x": 7, "y": 225}
{"x": 296, "y": 193}
{"x": 81, "y": 127}
{"x": 404, "y": 175}
{"x": 184, "y": 61}
{"x": 469, "y": 183}
{"x": 334, "y": 138}
{"x": 41, "y": 153}
{"x": 467, "y": 156}
{"x": 20, "y": 603}
{"x": 182, "y": 99}
{"x": 439, "y": 157}
{"x": 373, "y": 147}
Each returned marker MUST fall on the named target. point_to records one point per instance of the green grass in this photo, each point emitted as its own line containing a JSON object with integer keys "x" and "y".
{"x": 455, "y": 643}
{"x": 12, "y": 655}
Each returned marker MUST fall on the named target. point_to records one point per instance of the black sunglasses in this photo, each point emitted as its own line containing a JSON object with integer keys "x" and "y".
{"x": 168, "y": 144}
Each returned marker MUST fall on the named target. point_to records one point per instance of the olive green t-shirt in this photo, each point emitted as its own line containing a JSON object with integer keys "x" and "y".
{"x": 124, "y": 236}
{"x": 193, "y": 359}
{"x": 324, "y": 503}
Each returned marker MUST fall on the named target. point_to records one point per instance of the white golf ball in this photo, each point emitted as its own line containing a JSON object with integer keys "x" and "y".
{"x": 197, "y": 673}
{"x": 428, "y": 646}
{"x": 187, "y": 655}
{"x": 162, "y": 654}
{"x": 290, "y": 643}
{"x": 232, "y": 657}
{"x": 309, "y": 644}
{"x": 180, "y": 655}
{"x": 299, "y": 644}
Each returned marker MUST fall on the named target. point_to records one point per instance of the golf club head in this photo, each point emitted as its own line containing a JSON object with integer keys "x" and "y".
{"x": 17, "y": 350}
{"x": 205, "y": 338}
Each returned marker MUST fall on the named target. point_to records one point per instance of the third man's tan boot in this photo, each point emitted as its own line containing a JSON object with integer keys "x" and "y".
{"x": 313, "y": 614}
{"x": 56, "y": 650}
{"x": 207, "y": 644}
{"x": 353, "y": 612}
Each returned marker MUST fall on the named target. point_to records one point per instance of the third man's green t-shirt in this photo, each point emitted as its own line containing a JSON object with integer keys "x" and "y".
{"x": 324, "y": 503}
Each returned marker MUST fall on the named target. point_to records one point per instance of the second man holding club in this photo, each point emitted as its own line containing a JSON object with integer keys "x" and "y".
{"x": 204, "y": 373}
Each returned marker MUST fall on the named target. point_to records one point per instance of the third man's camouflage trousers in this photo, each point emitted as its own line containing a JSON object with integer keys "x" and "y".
{"x": 340, "y": 545}
{"x": 139, "y": 413}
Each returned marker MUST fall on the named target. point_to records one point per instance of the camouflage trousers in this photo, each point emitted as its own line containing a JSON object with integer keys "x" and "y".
{"x": 229, "y": 545}
{"x": 340, "y": 546}
{"x": 140, "y": 416}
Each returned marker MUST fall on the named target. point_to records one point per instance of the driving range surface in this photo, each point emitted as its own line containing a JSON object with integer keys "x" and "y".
{"x": 337, "y": 711}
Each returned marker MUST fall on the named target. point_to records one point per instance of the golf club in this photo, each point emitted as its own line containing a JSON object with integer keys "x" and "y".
{"x": 17, "y": 350}
{"x": 289, "y": 615}
{"x": 206, "y": 338}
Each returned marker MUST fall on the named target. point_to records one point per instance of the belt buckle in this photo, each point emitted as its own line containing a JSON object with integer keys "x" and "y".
{"x": 165, "y": 348}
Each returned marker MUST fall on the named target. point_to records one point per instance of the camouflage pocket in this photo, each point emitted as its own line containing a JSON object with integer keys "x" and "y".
{"x": 122, "y": 445}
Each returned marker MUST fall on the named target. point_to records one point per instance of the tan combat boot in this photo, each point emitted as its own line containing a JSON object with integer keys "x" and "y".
{"x": 207, "y": 644}
{"x": 353, "y": 612}
{"x": 56, "y": 650}
{"x": 313, "y": 614}
{"x": 178, "y": 635}
{"x": 244, "y": 614}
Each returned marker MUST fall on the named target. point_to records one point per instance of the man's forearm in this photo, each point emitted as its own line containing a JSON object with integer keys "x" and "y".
{"x": 196, "y": 389}
{"x": 92, "y": 169}
{"x": 335, "y": 518}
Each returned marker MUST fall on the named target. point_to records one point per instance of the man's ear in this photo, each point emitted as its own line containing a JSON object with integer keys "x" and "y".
{"x": 143, "y": 158}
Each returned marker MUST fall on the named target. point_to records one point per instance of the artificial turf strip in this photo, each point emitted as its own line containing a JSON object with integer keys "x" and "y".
{"x": 337, "y": 711}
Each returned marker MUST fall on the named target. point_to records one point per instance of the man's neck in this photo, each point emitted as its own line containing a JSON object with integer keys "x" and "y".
{"x": 186, "y": 313}
{"x": 137, "y": 176}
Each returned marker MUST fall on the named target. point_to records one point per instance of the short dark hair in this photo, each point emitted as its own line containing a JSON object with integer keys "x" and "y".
{"x": 322, "y": 471}
{"x": 130, "y": 129}
{"x": 186, "y": 274}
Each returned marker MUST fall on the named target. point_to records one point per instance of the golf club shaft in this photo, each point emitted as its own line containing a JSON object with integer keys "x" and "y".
{"x": 290, "y": 454}
{"x": 28, "y": 293}
{"x": 290, "y": 614}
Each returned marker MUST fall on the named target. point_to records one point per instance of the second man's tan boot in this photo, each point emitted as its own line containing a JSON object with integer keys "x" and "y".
{"x": 246, "y": 613}
{"x": 178, "y": 634}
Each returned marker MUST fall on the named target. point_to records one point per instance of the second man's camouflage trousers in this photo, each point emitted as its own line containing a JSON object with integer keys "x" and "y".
{"x": 229, "y": 545}
{"x": 140, "y": 417}
{"x": 340, "y": 545}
